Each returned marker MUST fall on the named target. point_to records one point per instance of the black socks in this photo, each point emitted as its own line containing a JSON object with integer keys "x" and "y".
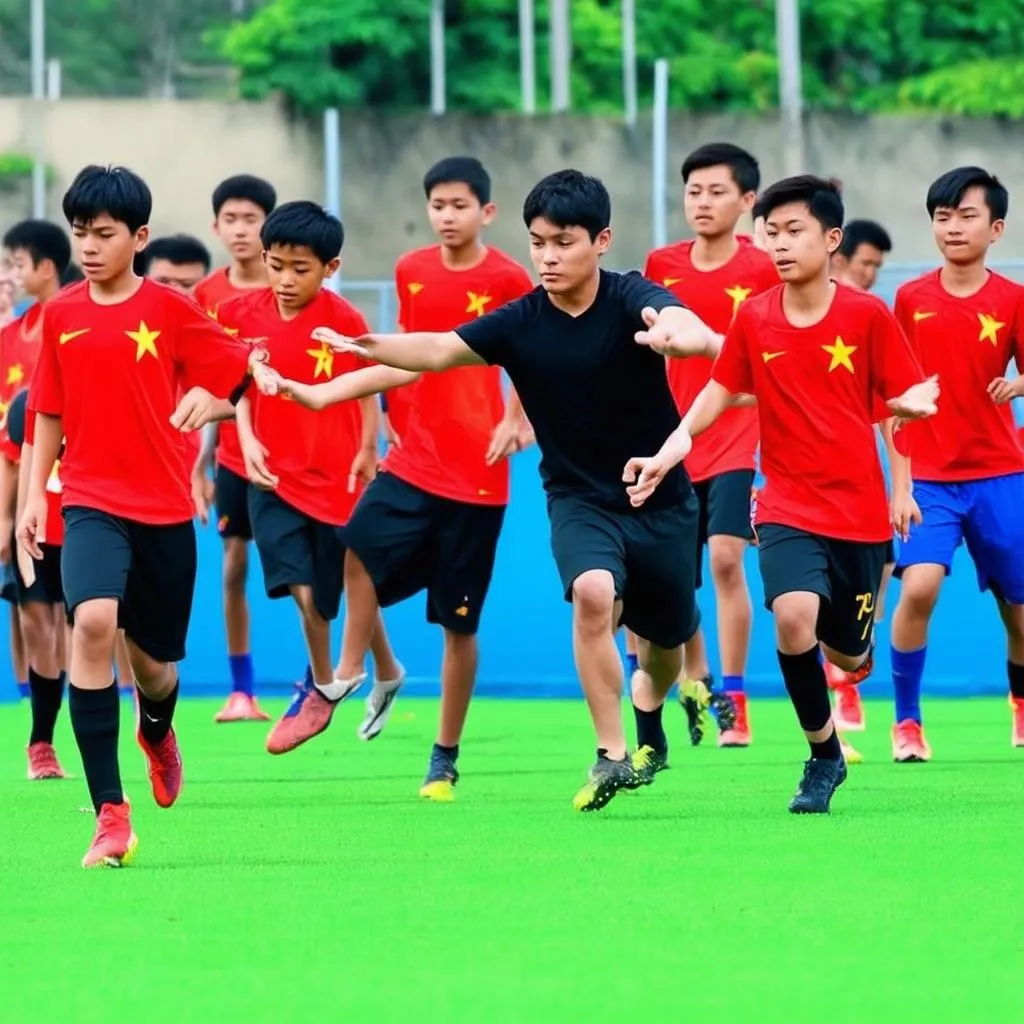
{"x": 1016, "y": 676}
{"x": 804, "y": 676}
{"x": 155, "y": 716}
{"x": 46, "y": 695}
{"x": 95, "y": 718}
{"x": 649, "y": 731}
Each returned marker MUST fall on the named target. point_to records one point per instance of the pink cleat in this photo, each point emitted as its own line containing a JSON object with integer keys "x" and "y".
{"x": 241, "y": 707}
{"x": 1017, "y": 737}
{"x": 908, "y": 743}
{"x": 114, "y": 843}
{"x": 308, "y": 715}
{"x": 849, "y": 711}
{"x": 43, "y": 763}
{"x": 739, "y": 734}
{"x": 165, "y": 769}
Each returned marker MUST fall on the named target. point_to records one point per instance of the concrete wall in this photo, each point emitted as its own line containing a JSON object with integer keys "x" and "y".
{"x": 185, "y": 148}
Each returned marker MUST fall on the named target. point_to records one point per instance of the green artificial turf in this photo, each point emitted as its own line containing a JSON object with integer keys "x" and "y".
{"x": 318, "y": 887}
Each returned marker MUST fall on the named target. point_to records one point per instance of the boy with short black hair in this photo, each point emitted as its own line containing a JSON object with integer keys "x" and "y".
{"x": 430, "y": 520}
{"x": 569, "y": 348}
{"x": 40, "y": 252}
{"x": 178, "y": 261}
{"x": 116, "y": 352}
{"x": 714, "y": 274}
{"x": 241, "y": 205}
{"x": 308, "y": 470}
{"x": 821, "y": 360}
{"x": 861, "y": 254}
{"x": 967, "y": 463}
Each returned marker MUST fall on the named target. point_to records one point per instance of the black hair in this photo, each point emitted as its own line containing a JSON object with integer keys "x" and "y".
{"x": 746, "y": 171}
{"x": 115, "y": 191}
{"x": 245, "y": 186}
{"x": 864, "y": 232}
{"x": 947, "y": 192}
{"x": 42, "y": 241}
{"x": 820, "y": 196}
{"x": 72, "y": 275}
{"x": 570, "y": 199}
{"x": 304, "y": 223}
{"x": 176, "y": 249}
{"x": 465, "y": 169}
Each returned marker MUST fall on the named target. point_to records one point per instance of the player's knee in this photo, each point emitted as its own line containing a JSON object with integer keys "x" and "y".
{"x": 795, "y": 623}
{"x": 95, "y": 628}
{"x": 918, "y": 596}
{"x": 593, "y": 598}
{"x": 356, "y": 573}
{"x": 155, "y": 678}
{"x": 727, "y": 566}
{"x": 662, "y": 664}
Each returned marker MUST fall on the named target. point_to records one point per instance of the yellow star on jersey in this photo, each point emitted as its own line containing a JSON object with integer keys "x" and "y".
{"x": 15, "y": 374}
{"x": 738, "y": 295}
{"x": 324, "y": 360}
{"x": 415, "y": 287}
{"x": 840, "y": 353}
{"x": 990, "y": 328}
{"x": 477, "y": 303}
{"x": 145, "y": 341}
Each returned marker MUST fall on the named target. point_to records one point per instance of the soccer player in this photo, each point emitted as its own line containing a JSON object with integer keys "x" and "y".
{"x": 584, "y": 353}
{"x": 41, "y": 253}
{"x": 967, "y": 323}
{"x": 116, "y": 349}
{"x": 714, "y": 275}
{"x": 431, "y": 519}
{"x": 308, "y": 469}
{"x": 241, "y": 206}
{"x": 820, "y": 359}
{"x": 178, "y": 261}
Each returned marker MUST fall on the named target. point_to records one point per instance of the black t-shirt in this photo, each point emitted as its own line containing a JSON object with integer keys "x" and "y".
{"x": 594, "y": 397}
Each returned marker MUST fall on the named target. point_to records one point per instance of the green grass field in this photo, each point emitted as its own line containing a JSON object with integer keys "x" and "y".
{"x": 317, "y": 885}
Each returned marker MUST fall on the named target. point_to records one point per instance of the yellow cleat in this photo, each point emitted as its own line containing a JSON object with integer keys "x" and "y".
{"x": 441, "y": 791}
{"x": 850, "y": 753}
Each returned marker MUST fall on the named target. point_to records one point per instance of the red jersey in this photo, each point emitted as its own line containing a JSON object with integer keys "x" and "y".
{"x": 311, "y": 453}
{"x": 113, "y": 374}
{"x": 448, "y": 418}
{"x": 968, "y": 342}
{"x": 19, "y": 353}
{"x": 817, "y": 390}
{"x": 211, "y": 293}
{"x": 715, "y": 296}
{"x": 54, "y": 519}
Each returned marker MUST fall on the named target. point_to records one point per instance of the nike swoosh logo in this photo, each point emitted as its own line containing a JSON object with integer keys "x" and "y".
{"x": 71, "y": 335}
{"x": 149, "y": 717}
{"x": 918, "y": 317}
{"x": 769, "y": 356}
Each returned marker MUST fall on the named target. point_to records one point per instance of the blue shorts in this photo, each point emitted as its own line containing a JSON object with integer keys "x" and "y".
{"x": 986, "y": 514}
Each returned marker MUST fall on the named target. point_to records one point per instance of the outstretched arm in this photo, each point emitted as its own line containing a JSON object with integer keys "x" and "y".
{"x": 371, "y": 380}
{"x": 417, "y": 352}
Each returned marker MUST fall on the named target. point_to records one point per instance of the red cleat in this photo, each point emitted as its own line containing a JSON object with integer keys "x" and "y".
{"x": 164, "y": 763}
{"x": 1017, "y": 703}
{"x": 849, "y": 711}
{"x": 43, "y": 763}
{"x": 241, "y": 707}
{"x": 739, "y": 734}
{"x": 114, "y": 843}
{"x": 908, "y": 743}
{"x": 308, "y": 715}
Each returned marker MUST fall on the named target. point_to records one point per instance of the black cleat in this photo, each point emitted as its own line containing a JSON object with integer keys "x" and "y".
{"x": 647, "y": 762}
{"x": 695, "y": 697}
{"x": 605, "y": 779}
{"x": 821, "y": 778}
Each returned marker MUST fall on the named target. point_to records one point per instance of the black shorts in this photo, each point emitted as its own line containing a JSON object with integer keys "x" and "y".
{"x": 649, "y": 553}
{"x": 46, "y": 587}
{"x": 846, "y": 574}
{"x": 149, "y": 570}
{"x": 8, "y": 582}
{"x": 232, "y": 496}
{"x": 890, "y": 553}
{"x": 297, "y": 550}
{"x": 410, "y": 541}
{"x": 724, "y": 510}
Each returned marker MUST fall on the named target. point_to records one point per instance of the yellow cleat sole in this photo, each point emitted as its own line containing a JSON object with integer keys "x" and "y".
{"x": 117, "y": 862}
{"x": 441, "y": 792}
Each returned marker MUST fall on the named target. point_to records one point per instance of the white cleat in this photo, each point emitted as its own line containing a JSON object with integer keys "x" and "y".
{"x": 379, "y": 704}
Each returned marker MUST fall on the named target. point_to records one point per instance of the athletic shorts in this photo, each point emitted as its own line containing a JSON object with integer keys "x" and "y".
{"x": 650, "y": 554}
{"x": 410, "y": 541}
{"x": 149, "y": 570}
{"x": 232, "y": 496}
{"x": 846, "y": 574}
{"x": 724, "y": 502}
{"x": 8, "y": 582}
{"x": 297, "y": 550}
{"x": 987, "y": 515}
{"x": 46, "y": 587}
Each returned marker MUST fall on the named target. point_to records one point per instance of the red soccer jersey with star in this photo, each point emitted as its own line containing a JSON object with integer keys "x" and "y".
{"x": 211, "y": 293}
{"x": 54, "y": 519}
{"x": 113, "y": 374}
{"x": 968, "y": 342}
{"x": 817, "y": 390}
{"x": 311, "y": 453}
{"x": 449, "y": 417}
{"x": 715, "y": 296}
{"x": 20, "y": 342}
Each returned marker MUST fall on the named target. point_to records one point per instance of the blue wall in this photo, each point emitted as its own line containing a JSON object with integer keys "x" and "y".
{"x": 525, "y": 640}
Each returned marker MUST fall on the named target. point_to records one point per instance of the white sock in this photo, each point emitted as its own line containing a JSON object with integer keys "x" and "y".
{"x": 339, "y": 688}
